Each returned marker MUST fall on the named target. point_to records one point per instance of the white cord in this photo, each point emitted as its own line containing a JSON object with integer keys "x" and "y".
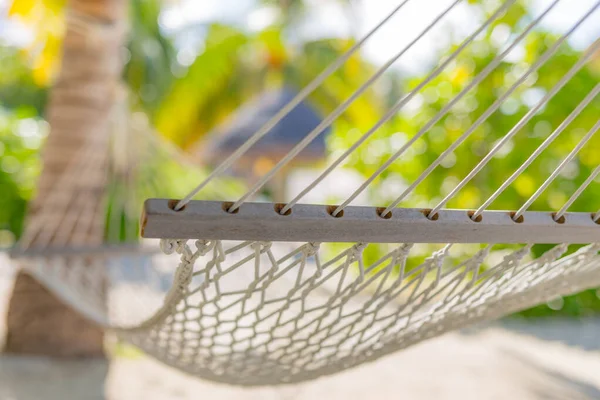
{"x": 578, "y": 65}
{"x": 538, "y": 151}
{"x": 402, "y": 102}
{"x": 596, "y": 217}
{"x": 576, "y": 195}
{"x": 332, "y": 117}
{"x": 303, "y": 94}
{"x": 331, "y": 167}
{"x": 480, "y": 77}
{"x": 491, "y": 109}
{"x": 557, "y": 171}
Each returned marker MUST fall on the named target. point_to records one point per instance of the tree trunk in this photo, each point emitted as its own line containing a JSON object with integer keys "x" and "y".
{"x": 79, "y": 109}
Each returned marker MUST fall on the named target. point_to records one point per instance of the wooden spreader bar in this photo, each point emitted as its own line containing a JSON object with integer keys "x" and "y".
{"x": 314, "y": 223}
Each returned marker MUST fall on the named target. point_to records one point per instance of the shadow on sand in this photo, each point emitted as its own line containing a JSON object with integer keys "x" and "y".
{"x": 34, "y": 378}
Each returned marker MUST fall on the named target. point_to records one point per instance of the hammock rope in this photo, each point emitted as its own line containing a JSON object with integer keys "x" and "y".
{"x": 489, "y": 68}
{"x": 391, "y": 113}
{"x": 558, "y": 169}
{"x": 580, "y": 107}
{"x": 560, "y": 213}
{"x": 293, "y": 319}
{"x": 302, "y": 95}
{"x": 555, "y": 89}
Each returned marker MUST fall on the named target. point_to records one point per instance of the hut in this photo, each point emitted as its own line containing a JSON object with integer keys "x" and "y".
{"x": 259, "y": 159}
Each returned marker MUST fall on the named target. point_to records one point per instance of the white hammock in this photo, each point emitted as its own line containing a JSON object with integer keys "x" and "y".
{"x": 266, "y": 294}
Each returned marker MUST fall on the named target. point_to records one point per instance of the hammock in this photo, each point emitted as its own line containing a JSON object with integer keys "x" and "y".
{"x": 271, "y": 293}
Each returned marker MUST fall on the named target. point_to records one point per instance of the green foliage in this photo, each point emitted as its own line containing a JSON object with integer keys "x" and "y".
{"x": 21, "y": 133}
{"x": 17, "y": 86}
{"x": 149, "y": 56}
{"x": 216, "y": 77}
{"x": 46, "y": 20}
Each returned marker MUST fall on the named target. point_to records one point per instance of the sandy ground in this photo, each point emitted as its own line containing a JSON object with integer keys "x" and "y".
{"x": 549, "y": 360}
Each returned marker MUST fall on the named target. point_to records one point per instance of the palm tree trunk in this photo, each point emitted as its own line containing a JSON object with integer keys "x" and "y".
{"x": 79, "y": 109}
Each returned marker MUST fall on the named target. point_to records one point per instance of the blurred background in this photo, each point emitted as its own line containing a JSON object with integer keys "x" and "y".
{"x": 196, "y": 78}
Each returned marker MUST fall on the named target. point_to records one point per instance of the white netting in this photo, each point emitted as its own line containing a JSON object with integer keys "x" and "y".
{"x": 245, "y": 315}
{"x": 256, "y": 313}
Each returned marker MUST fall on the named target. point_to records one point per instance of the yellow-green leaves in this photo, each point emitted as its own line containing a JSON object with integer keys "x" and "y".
{"x": 45, "y": 18}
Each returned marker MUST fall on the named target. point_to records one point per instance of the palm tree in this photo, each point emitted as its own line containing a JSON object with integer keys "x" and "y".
{"x": 78, "y": 109}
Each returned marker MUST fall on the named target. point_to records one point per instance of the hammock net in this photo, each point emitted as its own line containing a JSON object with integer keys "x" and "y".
{"x": 265, "y": 293}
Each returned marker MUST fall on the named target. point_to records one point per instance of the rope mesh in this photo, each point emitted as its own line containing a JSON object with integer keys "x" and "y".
{"x": 246, "y": 315}
{"x": 258, "y": 313}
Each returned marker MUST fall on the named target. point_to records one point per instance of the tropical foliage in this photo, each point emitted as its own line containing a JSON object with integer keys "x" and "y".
{"x": 457, "y": 165}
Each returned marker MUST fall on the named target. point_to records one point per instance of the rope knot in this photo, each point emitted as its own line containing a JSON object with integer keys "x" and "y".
{"x": 170, "y": 246}
{"x": 183, "y": 275}
{"x": 356, "y": 251}
{"x": 310, "y": 249}
{"x": 554, "y": 253}
{"x": 204, "y": 246}
{"x": 404, "y": 250}
{"x": 480, "y": 256}
{"x": 518, "y": 255}
{"x": 438, "y": 257}
{"x": 261, "y": 247}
